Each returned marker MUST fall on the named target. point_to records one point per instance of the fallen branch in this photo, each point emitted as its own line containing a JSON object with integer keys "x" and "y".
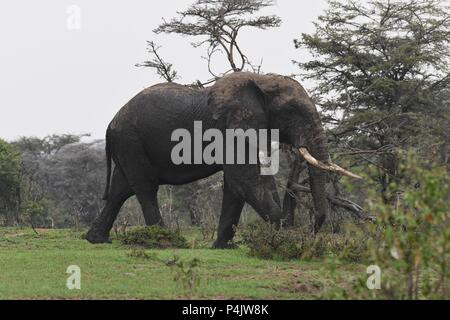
{"x": 350, "y": 206}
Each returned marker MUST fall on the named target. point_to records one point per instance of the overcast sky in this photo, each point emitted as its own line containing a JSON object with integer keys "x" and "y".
{"x": 57, "y": 80}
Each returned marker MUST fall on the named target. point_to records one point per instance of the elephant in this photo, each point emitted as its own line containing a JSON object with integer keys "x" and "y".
{"x": 139, "y": 142}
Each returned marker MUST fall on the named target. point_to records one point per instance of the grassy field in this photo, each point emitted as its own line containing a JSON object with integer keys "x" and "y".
{"x": 33, "y": 266}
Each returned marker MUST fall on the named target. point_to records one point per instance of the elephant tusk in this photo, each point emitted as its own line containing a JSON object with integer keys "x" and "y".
{"x": 328, "y": 167}
{"x": 345, "y": 172}
{"x": 313, "y": 161}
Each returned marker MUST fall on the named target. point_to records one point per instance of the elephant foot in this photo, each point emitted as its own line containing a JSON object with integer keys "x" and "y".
{"x": 96, "y": 237}
{"x": 224, "y": 245}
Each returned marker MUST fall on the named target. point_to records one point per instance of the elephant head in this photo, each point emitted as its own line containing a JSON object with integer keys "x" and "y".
{"x": 248, "y": 100}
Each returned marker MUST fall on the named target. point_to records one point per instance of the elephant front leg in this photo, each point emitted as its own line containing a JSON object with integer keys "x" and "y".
{"x": 231, "y": 212}
{"x": 257, "y": 190}
{"x": 263, "y": 196}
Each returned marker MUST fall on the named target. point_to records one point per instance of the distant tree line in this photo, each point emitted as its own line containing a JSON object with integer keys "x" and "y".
{"x": 57, "y": 181}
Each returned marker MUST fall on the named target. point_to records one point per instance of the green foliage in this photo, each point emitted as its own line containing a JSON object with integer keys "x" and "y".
{"x": 351, "y": 245}
{"x": 34, "y": 212}
{"x": 10, "y": 165}
{"x": 153, "y": 237}
{"x": 382, "y": 80}
{"x": 382, "y": 77}
{"x": 35, "y": 208}
{"x": 186, "y": 273}
{"x": 410, "y": 241}
{"x": 379, "y": 54}
{"x": 413, "y": 243}
{"x": 267, "y": 242}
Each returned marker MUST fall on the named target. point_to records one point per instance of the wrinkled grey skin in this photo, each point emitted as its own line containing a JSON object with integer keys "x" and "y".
{"x": 139, "y": 143}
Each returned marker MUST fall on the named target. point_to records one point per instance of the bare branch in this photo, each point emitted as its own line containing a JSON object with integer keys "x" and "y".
{"x": 163, "y": 69}
{"x": 346, "y": 204}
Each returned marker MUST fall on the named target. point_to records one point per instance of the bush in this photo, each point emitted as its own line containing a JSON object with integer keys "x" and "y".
{"x": 411, "y": 238}
{"x": 34, "y": 213}
{"x": 413, "y": 244}
{"x": 186, "y": 273}
{"x": 153, "y": 237}
{"x": 267, "y": 242}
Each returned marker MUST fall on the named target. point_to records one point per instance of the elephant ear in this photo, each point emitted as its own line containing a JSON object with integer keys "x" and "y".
{"x": 239, "y": 103}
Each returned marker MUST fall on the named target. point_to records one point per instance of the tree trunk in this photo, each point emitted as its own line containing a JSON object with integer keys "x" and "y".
{"x": 318, "y": 144}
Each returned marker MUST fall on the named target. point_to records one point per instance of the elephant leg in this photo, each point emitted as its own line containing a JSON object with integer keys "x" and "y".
{"x": 266, "y": 201}
{"x": 142, "y": 177}
{"x": 147, "y": 195}
{"x": 229, "y": 218}
{"x": 119, "y": 192}
{"x": 145, "y": 185}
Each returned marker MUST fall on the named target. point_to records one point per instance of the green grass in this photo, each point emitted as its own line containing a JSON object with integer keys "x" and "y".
{"x": 33, "y": 266}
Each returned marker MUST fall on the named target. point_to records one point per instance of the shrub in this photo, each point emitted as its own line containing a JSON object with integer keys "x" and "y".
{"x": 411, "y": 238}
{"x": 34, "y": 211}
{"x": 352, "y": 245}
{"x": 153, "y": 237}
{"x": 186, "y": 273}
{"x": 413, "y": 244}
{"x": 267, "y": 242}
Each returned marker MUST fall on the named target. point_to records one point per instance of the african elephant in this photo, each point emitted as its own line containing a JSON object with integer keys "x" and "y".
{"x": 138, "y": 140}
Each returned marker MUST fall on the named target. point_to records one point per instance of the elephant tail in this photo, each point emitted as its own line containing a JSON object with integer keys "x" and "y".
{"x": 108, "y": 165}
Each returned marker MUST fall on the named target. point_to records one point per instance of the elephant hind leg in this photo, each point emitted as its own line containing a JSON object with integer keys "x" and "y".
{"x": 143, "y": 180}
{"x": 147, "y": 195}
{"x": 120, "y": 191}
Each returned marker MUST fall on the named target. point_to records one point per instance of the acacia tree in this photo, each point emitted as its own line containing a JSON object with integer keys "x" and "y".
{"x": 218, "y": 22}
{"x": 382, "y": 74}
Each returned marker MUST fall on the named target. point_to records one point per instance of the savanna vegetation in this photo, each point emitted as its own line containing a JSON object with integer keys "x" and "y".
{"x": 381, "y": 70}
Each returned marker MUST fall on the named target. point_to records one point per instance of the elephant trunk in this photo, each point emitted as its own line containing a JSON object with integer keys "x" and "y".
{"x": 319, "y": 163}
{"x": 318, "y": 177}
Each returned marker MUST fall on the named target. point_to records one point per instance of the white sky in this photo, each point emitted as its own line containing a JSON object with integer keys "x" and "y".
{"x": 56, "y": 80}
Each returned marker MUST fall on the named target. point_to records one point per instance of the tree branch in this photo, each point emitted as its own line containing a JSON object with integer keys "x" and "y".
{"x": 346, "y": 204}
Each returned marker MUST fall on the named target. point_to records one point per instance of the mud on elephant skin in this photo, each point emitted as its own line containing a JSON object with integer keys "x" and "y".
{"x": 138, "y": 141}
